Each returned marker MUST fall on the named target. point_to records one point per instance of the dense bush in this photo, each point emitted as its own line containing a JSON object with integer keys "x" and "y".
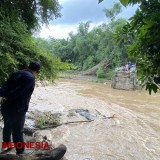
{"x": 17, "y": 48}
{"x": 18, "y": 20}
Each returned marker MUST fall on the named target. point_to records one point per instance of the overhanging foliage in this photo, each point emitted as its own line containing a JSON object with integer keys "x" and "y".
{"x": 17, "y": 47}
{"x": 144, "y": 28}
{"x": 30, "y": 12}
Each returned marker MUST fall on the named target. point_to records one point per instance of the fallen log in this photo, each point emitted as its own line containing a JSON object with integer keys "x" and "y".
{"x": 53, "y": 154}
{"x": 92, "y": 71}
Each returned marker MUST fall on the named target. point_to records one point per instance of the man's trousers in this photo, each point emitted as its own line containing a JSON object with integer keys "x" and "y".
{"x": 13, "y": 125}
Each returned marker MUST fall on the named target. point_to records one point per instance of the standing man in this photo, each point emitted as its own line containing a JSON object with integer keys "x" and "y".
{"x": 15, "y": 95}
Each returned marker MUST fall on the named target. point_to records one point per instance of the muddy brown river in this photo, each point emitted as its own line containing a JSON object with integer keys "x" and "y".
{"x": 133, "y": 135}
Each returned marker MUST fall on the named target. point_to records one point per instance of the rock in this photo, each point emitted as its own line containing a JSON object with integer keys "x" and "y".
{"x": 54, "y": 154}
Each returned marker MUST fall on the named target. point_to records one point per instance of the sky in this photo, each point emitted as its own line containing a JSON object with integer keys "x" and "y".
{"x": 76, "y": 11}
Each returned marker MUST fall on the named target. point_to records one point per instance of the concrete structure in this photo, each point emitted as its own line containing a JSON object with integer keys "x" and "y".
{"x": 125, "y": 80}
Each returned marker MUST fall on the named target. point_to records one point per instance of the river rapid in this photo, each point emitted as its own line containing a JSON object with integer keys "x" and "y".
{"x": 134, "y": 133}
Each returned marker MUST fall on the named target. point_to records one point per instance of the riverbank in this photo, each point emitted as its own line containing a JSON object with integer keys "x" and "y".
{"x": 134, "y": 132}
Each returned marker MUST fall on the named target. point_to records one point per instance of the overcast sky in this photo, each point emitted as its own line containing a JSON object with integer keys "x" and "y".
{"x": 76, "y": 11}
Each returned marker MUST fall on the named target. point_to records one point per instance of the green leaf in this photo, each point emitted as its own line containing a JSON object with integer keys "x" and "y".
{"x": 100, "y": 1}
{"x": 154, "y": 88}
{"x": 124, "y": 2}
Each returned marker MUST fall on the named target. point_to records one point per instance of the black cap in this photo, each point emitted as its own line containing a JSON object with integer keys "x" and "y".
{"x": 34, "y": 66}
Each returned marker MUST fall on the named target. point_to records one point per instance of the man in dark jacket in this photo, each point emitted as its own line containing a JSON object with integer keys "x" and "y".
{"x": 15, "y": 96}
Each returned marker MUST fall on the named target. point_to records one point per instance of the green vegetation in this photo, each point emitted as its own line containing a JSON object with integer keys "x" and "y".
{"x": 88, "y": 48}
{"x": 146, "y": 50}
{"x": 137, "y": 38}
{"x": 30, "y": 12}
{"x": 46, "y": 119}
{"x": 144, "y": 28}
{"x": 101, "y": 73}
{"x": 18, "y": 19}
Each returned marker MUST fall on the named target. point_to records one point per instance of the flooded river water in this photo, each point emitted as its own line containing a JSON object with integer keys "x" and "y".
{"x": 133, "y": 135}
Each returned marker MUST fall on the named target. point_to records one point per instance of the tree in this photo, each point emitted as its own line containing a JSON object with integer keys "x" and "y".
{"x": 88, "y": 48}
{"x": 127, "y": 2}
{"x": 30, "y": 12}
{"x": 113, "y": 12}
{"x": 144, "y": 27}
{"x": 17, "y": 47}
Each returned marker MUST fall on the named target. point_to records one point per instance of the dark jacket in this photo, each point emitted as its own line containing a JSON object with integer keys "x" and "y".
{"x": 17, "y": 91}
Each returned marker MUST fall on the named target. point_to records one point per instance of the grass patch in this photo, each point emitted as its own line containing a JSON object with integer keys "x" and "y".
{"x": 47, "y": 119}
